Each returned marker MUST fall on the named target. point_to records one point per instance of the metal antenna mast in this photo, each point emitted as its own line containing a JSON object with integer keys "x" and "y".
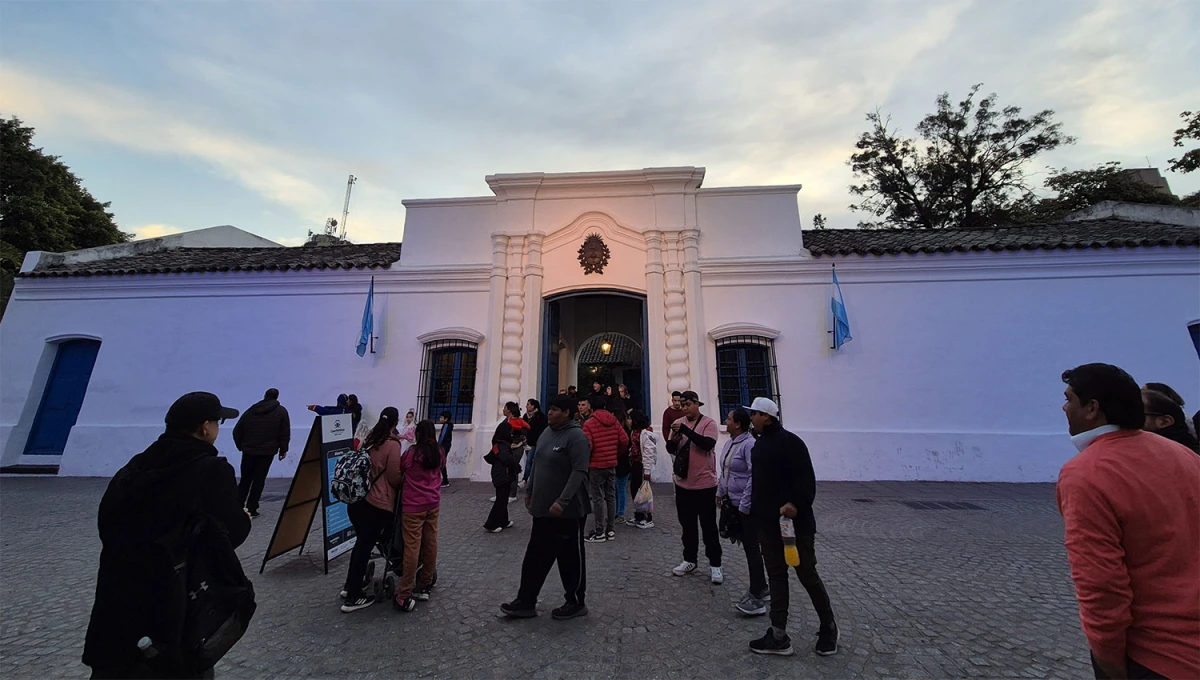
{"x": 346, "y": 207}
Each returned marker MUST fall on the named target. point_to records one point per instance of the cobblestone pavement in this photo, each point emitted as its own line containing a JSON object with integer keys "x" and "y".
{"x": 918, "y": 593}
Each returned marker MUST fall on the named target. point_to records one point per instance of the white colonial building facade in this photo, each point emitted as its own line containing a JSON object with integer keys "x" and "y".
{"x": 637, "y": 277}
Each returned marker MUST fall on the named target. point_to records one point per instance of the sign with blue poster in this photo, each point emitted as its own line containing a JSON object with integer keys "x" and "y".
{"x": 330, "y": 438}
{"x": 337, "y": 439}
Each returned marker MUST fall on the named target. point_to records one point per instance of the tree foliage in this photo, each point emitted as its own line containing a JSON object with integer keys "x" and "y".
{"x": 819, "y": 221}
{"x": 964, "y": 171}
{"x": 43, "y": 205}
{"x": 1190, "y": 160}
{"x": 1080, "y": 189}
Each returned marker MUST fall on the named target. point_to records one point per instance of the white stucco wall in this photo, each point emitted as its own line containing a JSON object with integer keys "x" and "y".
{"x": 954, "y": 369}
{"x": 233, "y": 334}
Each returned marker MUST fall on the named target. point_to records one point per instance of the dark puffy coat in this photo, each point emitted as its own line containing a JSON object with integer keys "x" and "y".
{"x": 153, "y": 494}
{"x": 263, "y": 430}
{"x": 607, "y": 438}
{"x": 504, "y": 464}
{"x": 781, "y": 472}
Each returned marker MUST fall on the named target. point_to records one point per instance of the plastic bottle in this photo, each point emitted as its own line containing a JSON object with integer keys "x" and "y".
{"x": 146, "y": 645}
{"x": 787, "y": 530}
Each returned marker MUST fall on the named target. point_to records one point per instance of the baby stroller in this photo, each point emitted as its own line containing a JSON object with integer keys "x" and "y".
{"x": 391, "y": 549}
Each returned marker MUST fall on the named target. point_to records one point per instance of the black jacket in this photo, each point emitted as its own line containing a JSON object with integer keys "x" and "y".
{"x": 1179, "y": 433}
{"x": 781, "y": 472}
{"x": 154, "y": 493}
{"x": 504, "y": 464}
{"x": 537, "y": 425}
{"x": 446, "y": 437}
{"x": 263, "y": 430}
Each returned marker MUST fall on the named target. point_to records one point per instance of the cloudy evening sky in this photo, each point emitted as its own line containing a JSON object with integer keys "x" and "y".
{"x": 191, "y": 114}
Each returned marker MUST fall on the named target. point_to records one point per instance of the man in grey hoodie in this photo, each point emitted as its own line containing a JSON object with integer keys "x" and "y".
{"x": 557, "y": 497}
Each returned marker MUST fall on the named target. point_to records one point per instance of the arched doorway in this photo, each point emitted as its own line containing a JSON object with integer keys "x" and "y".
{"x": 577, "y": 325}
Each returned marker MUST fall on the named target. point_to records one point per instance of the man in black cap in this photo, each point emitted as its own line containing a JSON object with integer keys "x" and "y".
{"x": 154, "y": 495}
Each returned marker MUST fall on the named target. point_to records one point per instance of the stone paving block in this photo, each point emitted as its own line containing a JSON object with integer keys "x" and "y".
{"x": 917, "y": 594}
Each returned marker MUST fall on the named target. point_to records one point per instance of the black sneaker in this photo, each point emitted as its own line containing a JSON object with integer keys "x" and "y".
{"x": 612, "y": 535}
{"x": 445, "y": 484}
{"x": 509, "y": 525}
{"x": 596, "y": 537}
{"x": 519, "y": 610}
{"x": 769, "y": 644}
{"x": 569, "y": 610}
{"x": 421, "y": 594}
{"x": 254, "y": 513}
{"x": 362, "y": 602}
{"x": 407, "y": 605}
{"x": 827, "y": 639}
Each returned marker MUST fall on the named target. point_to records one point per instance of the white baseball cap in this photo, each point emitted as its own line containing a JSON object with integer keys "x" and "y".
{"x": 764, "y": 405}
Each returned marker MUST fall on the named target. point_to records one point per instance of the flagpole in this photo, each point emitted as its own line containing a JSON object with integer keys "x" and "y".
{"x": 372, "y": 334}
{"x": 832, "y": 320}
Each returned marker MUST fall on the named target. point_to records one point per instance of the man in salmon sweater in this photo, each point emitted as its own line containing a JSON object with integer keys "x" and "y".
{"x": 608, "y": 438}
{"x": 1131, "y": 507}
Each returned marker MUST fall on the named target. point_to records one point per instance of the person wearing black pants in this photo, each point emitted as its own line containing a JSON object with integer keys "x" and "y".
{"x": 555, "y": 540}
{"x": 504, "y": 470}
{"x": 782, "y": 488}
{"x": 557, "y": 497}
{"x": 370, "y": 523}
{"x": 699, "y": 507}
{"x": 263, "y": 431}
{"x": 695, "y": 468}
{"x": 445, "y": 440}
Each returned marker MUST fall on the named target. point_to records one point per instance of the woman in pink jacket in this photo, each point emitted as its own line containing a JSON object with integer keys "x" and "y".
{"x": 373, "y": 515}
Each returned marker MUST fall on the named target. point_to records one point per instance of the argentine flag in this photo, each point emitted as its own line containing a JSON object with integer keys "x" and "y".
{"x": 841, "y": 324}
{"x": 368, "y": 321}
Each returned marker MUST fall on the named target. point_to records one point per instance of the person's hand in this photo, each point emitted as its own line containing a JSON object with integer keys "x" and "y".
{"x": 789, "y": 511}
{"x": 556, "y": 510}
{"x": 282, "y": 455}
{"x": 312, "y": 407}
{"x": 248, "y": 515}
{"x": 528, "y": 502}
{"x": 719, "y": 499}
{"x": 675, "y": 427}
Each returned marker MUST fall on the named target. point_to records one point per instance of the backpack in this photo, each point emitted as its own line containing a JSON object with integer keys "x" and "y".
{"x": 206, "y": 601}
{"x": 352, "y": 477}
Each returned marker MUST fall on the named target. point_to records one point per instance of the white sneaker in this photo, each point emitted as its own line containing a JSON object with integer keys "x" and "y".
{"x": 717, "y": 576}
{"x": 511, "y": 499}
{"x": 684, "y": 568}
{"x": 645, "y": 524}
{"x": 492, "y": 499}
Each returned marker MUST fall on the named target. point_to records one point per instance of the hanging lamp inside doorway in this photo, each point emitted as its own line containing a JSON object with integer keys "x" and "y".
{"x": 605, "y": 344}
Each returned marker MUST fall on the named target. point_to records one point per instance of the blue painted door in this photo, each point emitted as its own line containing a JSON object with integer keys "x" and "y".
{"x": 63, "y": 397}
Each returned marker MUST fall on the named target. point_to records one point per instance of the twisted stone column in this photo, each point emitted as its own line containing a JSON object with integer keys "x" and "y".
{"x": 676, "y": 314}
{"x": 514, "y": 325}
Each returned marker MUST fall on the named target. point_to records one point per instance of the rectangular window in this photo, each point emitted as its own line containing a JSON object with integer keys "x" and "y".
{"x": 745, "y": 370}
{"x": 448, "y": 380}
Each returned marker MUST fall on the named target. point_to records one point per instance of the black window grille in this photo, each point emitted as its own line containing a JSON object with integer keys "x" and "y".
{"x": 448, "y": 380}
{"x": 745, "y": 370}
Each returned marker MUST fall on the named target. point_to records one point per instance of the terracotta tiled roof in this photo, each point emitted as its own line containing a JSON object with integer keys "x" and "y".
{"x": 180, "y": 260}
{"x": 1090, "y": 234}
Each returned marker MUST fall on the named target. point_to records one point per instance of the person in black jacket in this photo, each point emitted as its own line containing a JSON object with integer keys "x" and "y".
{"x": 152, "y": 496}
{"x": 504, "y": 469}
{"x": 446, "y": 440}
{"x": 537, "y": 425}
{"x": 265, "y": 429}
{"x": 783, "y": 483}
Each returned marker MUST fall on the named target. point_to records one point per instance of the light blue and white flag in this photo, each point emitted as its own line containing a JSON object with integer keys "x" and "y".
{"x": 368, "y": 321}
{"x": 841, "y": 323}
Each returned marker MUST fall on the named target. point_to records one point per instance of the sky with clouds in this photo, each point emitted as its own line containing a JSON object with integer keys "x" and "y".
{"x": 192, "y": 114}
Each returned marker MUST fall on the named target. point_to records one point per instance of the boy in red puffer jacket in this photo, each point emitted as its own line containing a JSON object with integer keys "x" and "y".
{"x": 607, "y": 437}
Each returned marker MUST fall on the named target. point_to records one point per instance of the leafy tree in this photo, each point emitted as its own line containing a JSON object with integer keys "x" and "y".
{"x": 1190, "y": 160}
{"x": 1079, "y": 189}
{"x": 966, "y": 169}
{"x": 819, "y": 221}
{"x": 43, "y": 206}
